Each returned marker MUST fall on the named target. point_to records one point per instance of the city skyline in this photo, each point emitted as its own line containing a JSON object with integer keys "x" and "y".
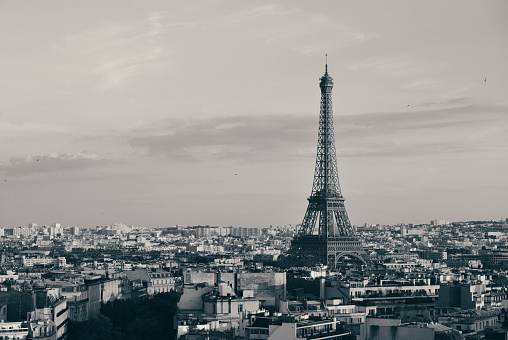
{"x": 207, "y": 112}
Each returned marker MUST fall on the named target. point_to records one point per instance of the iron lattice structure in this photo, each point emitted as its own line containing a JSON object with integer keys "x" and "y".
{"x": 326, "y": 232}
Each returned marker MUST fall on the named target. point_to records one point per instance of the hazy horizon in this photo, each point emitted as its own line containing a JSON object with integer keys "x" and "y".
{"x": 206, "y": 112}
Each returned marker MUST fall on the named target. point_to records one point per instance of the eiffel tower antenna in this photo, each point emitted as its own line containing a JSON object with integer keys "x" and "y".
{"x": 326, "y": 232}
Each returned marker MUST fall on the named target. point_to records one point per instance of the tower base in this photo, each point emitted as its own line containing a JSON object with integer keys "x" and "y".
{"x": 331, "y": 249}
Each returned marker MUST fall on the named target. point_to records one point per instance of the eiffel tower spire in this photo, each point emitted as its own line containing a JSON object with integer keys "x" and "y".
{"x": 326, "y": 231}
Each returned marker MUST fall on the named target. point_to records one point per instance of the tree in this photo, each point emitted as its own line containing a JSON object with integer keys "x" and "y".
{"x": 149, "y": 318}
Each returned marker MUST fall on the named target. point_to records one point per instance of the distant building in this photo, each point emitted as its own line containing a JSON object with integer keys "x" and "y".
{"x": 380, "y": 329}
{"x": 433, "y": 255}
{"x": 245, "y": 232}
{"x": 14, "y": 330}
{"x": 439, "y": 222}
{"x": 19, "y": 304}
{"x": 463, "y": 296}
{"x": 42, "y": 330}
{"x": 386, "y": 288}
{"x": 471, "y": 321}
{"x": 34, "y": 330}
{"x": 316, "y": 329}
{"x": 30, "y": 258}
{"x": 77, "y": 301}
{"x": 94, "y": 288}
{"x": 494, "y": 258}
{"x": 74, "y": 231}
{"x": 160, "y": 281}
{"x": 52, "y": 306}
{"x": 267, "y": 286}
{"x": 222, "y": 305}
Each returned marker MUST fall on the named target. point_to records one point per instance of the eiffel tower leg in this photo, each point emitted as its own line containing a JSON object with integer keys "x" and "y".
{"x": 309, "y": 221}
{"x": 343, "y": 221}
{"x": 323, "y": 223}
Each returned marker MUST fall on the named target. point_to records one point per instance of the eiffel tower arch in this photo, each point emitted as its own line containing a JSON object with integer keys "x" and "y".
{"x": 326, "y": 232}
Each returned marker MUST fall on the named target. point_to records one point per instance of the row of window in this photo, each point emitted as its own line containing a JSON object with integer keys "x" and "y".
{"x": 160, "y": 282}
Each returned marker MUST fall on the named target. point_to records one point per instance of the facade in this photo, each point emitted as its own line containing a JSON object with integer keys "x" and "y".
{"x": 78, "y": 307}
{"x": 30, "y": 258}
{"x": 160, "y": 282}
{"x": 227, "y": 307}
{"x": 380, "y": 329}
{"x": 471, "y": 321}
{"x": 349, "y": 292}
{"x": 55, "y": 312}
{"x": 277, "y": 329}
{"x": 267, "y": 286}
{"x": 110, "y": 290}
{"x": 18, "y": 303}
{"x": 14, "y": 330}
{"x": 494, "y": 258}
{"x": 94, "y": 289}
{"x": 245, "y": 232}
{"x": 84, "y": 299}
{"x": 77, "y": 301}
{"x": 33, "y": 330}
{"x": 463, "y": 296}
{"x": 42, "y": 330}
{"x": 217, "y": 308}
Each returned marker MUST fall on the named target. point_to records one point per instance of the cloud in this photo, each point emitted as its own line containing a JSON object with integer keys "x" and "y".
{"x": 119, "y": 51}
{"x": 383, "y": 123}
{"x": 399, "y": 66}
{"x": 262, "y": 10}
{"x": 10, "y": 128}
{"x": 52, "y": 163}
{"x": 448, "y": 102}
{"x": 462, "y": 129}
{"x": 241, "y": 138}
{"x": 396, "y": 149}
{"x": 297, "y": 29}
{"x": 281, "y": 138}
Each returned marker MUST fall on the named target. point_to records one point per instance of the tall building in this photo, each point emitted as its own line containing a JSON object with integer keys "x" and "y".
{"x": 74, "y": 231}
{"x": 326, "y": 233}
{"x": 245, "y": 232}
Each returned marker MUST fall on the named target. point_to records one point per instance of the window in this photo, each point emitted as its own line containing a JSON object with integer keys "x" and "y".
{"x": 240, "y": 308}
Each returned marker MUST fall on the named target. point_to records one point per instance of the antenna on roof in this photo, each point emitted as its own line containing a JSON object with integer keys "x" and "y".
{"x": 326, "y": 63}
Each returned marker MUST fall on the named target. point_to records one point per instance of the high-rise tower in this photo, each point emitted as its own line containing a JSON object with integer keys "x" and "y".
{"x": 326, "y": 232}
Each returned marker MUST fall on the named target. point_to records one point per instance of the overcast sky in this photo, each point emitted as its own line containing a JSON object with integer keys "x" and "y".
{"x": 158, "y": 113}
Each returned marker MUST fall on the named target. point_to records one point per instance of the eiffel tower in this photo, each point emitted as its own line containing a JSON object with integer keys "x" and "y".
{"x": 333, "y": 237}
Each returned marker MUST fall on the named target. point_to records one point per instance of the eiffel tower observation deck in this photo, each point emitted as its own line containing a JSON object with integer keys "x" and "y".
{"x": 326, "y": 235}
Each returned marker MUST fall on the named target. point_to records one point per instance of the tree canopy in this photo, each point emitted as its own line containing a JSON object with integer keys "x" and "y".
{"x": 148, "y": 318}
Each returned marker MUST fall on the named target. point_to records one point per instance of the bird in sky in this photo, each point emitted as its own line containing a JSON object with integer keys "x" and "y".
{"x": 485, "y": 80}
